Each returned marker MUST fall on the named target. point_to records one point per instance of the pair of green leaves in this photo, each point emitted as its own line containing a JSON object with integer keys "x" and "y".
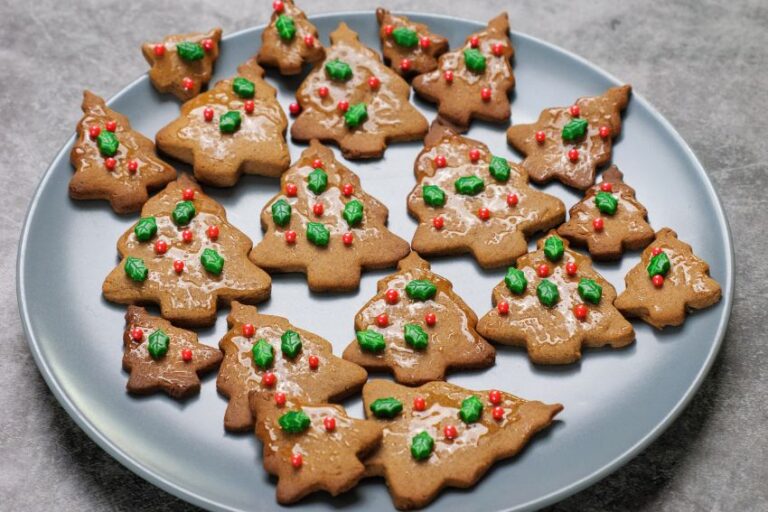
{"x": 264, "y": 354}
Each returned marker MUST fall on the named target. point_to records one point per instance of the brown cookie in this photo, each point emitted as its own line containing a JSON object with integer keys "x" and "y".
{"x": 669, "y": 281}
{"x": 417, "y": 327}
{"x": 442, "y": 435}
{"x": 161, "y": 357}
{"x": 184, "y": 255}
{"x": 609, "y": 220}
{"x": 408, "y": 47}
{"x": 236, "y": 127}
{"x": 112, "y": 161}
{"x": 182, "y": 64}
{"x": 569, "y": 143}
{"x": 553, "y": 302}
{"x": 290, "y": 40}
{"x": 311, "y": 447}
{"x": 473, "y": 81}
{"x": 354, "y": 100}
{"x": 468, "y": 200}
{"x": 325, "y": 225}
{"x": 302, "y": 365}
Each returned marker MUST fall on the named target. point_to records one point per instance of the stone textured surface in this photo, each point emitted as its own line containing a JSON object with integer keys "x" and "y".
{"x": 702, "y": 63}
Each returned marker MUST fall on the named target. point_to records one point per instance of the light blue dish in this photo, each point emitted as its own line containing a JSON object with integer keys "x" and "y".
{"x": 616, "y": 401}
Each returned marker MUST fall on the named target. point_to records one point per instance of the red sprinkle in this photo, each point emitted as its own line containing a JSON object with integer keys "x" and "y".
{"x": 159, "y": 50}
{"x": 605, "y": 132}
{"x": 207, "y": 44}
{"x": 309, "y": 41}
{"x": 512, "y": 200}
{"x": 322, "y": 91}
{"x": 541, "y": 137}
{"x": 448, "y": 75}
{"x": 318, "y": 209}
{"x": 329, "y": 422}
{"x": 161, "y": 247}
{"x": 343, "y": 105}
{"x": 348, "y": 189}
{"x": 212, "y": 232}
{"x": 405, "y": 64}
{"x": 606, "y": 187}
{"x": 278, "y": 6}
{"x": 188, "y": 194}
{"x": 317, "y": 163}
{"x": 388, "y": 29}
{"x": 110, "y": 163}
{"x": 133, "y": 166}
{"x": 542, "y": 270}
{"x": 382, "y": 320}
{"x": 440, "y": 161}
{"x": 393, "y": 296}
{"x": 290, "y": 236}
{"x": 485, "y": 93}
{"x": 248, "y": 106}
{"x": 503, "y": 307}
{"x": 374, "y": 82}
{"x": 497, "y": 49}
{"x": 314, "y": 362}
{"x": 419, "y": 404}
{"x": 430, "y": 319}
{"x": 598, "y": 224}
{"x": 498, "y": 413}
{"x": 291, "y": 189}
{"x": 296, "y": 459}
{"x": 573, "y": 155}
{"x": 658, "y": 280}
{"x": 111, "y": 126}
{"x": 494, "y": 396}
{"x": 474, "y": 154}
{"x": 575, "y": 110}
{"x": 94, "y": 131}
{"x": 449, "y": 431}
{"x": 294, "y": 109}
{"x": 186, "y": 355}
{"x": 484, "y": 213}
{"x": 248, "y": 330}
{"x": 269, "y": 379}
{"x": 178, "y": 266}
{"x": 187, "y": 83}
{"x": 186, "y": 235}
{"x": 347, "y": 238}
{"x": 571, "y": 268}
{"x": 474, "y": 41}
{"x": 280, "y": 398}
{"x": 424, "y": 42}
{"x": 438, "y": 223}
{"x": 580, "y": 311}
{"x": 656, "y": 251}
{"x": 137, "y": 334}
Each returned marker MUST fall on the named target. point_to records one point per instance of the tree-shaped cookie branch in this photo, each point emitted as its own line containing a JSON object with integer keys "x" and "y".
{"x": 468, "y": 200}
{"x": 290, "y": 40}
{"x": 182, "y": 64}
{"x": 669, "y": 281}
{"x": 312, "y": 447}
{"x": 112, "y": 161}
{"x": 267, "y": 355}
{"x": 473, "y": 81}
{"x": 569, "y": 143}
{"x": 184, "y": 255}
{"x": 417, "y": 327}
{"x": 354, "y": 100}
{"x": 408, "y": 47}
{"x": 609, "y": 220}
{"x": 442, "y": 435}
{"x": 553, "y": 302}
{"x": 236, "y": 127}
{"x": 161, "y": 357}
{"x": 324, "y": 224}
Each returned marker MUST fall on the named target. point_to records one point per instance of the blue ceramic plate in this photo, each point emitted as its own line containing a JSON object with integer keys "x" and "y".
{"x": 616, "y": 401}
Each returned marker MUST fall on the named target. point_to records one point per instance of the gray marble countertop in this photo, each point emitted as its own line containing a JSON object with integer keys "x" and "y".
{"x": 702, "y": 63}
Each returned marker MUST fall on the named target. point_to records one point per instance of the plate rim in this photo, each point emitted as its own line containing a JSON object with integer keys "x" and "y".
{"x": 137, "y": 467}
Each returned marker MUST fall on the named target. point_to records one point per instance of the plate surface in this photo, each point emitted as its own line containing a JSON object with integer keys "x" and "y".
{"x": 616, "y": 401}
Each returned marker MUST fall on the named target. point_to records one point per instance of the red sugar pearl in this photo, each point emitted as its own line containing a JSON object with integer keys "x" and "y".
{"x": 575, "y": 110}
{"x": 133, "y": 166}
{"x": 248, "y": 106}
{"x": 137, "y": 334}
{"x": 494, "y": 396}
{"x": 571, "y": 268}
{"x": 317, "y": 163}
{"x": 430, "y": 319}
{"x": 485, "y": 93}
{"x": 186, "y": 235}
{"x": 405, "y": 64}
{"x": 448, "y": 76}
{"x": 178, "y": 266}
{"x": 440, "y": 161}
{"x": 658, "y": 280}
{"x": 573, "y": 155}
{"x": 656, "y": 251}
{"x": 187, "y": 83}
{"x": 280, "y": 398}
{"x": 606, "y": 187}
{"x": 291, "y": 189}
{"x": 541, "y": 137}
{"x": 438, "y": 223}
{"x": 278, "y": 6}
{"x": 503, "y": 307}
{"x": 188, "y": 194}
{"x": 318, "y": 209}
{"x": 382, "y": 320}
{"x": 347, "y": 238}
{"x": 388, "y": 29}
{"x": 309, "y": 41}
{"x": 424, "y": 42}
{"x": 605, "y": 132}
{"x": 498, "y": 413}
{"x": 419, "y": 404}
{"x": 497, "y": 49}
{"x": 94, "y": 131}
{"x": 207, "y": 44}
{"x": 110, "y": 163}
{"x": 159, "y": 50}
{"x": 269, "y": 379}
{"x": 474, "y": 155}
{"x": 161, "y": 247}
{"x": 111, "y": 126}
{"x": 450, "y": 432}
{"x": 512, "y": 200}
{"x": 329, "y": 422}
{"x": 343, "y": 105}
{"x": 212, "y": 232}
{"x": 314, "y": 362}
{"x": 296, "y": 459}
{"x": 322, "y": 91}
{"x": 290, "y": 237}
{"x": 294, "y": 109}
{"x": 542, "y": 270}
{"x": 474, "y": 41}
{"x": 248, "y": 330}
{"x": 484, "y": 213}
{"x": 374, "y": 82}
{"x": 580, "y": 311}
{"x": 348, "y": 189}
{"x": 393, "y": 296}
{"x": 186, "y": 355}
{"x": 598, "y": 224}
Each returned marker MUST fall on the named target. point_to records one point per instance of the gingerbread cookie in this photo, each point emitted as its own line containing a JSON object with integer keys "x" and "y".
{"x": 553, "y": 302}
{"x": 408, "y": 47}
{"x": 112, "y": 161}
{"x": 184, "y": 255}
{"x": 267, "y": 355}
{"x": 236, "y": 127}
{"x": 669, "y": 281}
{"x": 311, "y": 447}
{"x": 354, "y": 100}
{"x": 417, "y": 327}
{"x": 569, "y": 143}
{"x": 469, "y": 200}
{"x": 442, "y": 435}
{"x": 324, "y": 224}
{"x": 161, "y": 357}
{"x": 290, "y": 40}
{"x": 475, "y": 80}
{"x": 609, "y": 220}
{"x": 182, "y": 64}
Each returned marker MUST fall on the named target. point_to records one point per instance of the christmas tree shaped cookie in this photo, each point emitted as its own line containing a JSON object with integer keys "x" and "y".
{"x": 182, "y": 64}
{"x": 236, "y": 127}
{"x": 161, "y": 357}
{"x": 184, "y": 255}
{"x": 609, "y": 220}
{"x": 408, "y": 47}
{"x": 267, "y": 355}
{"x": 290, "y": 40}
{"x": 324, "y": 224}
{"x": 113, "y": 161}
{"x": 569, "y": 143}
{"x": 442, "y": 435}
{"x": 311, "y": 447}
{"x": 553, "y": 302}
{"x": 469, "y": 200}
{"x": 475, "y": 80}
{"x": 354, "y": 100}
{"x": 417, "y": 327}
{"x": 669, "y": 281}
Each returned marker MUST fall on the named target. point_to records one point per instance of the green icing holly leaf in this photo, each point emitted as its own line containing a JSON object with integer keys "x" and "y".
{"x": 499, "y": 168}
{"x": 415, "y": 336}
{"x": 189, "y": 50}
{"x": 243, "y": 87}
{"x": 422, "y": 445}
{"x": 589, "y": 290}
{"x": 338, "y": 70}
{"x": 353, "y": 212}
{"x": 659, "y": 265}
{"x": 420, "y": 289}
{"x": 290, "y": 343}
{"x": 469, "y": 185}
{"x": 547, "y": 293}
{"x": 281, "y": 212}
{"x": 318, "y": 234}
{"x": 370, "y": 341}
{"x": 474, "y": 60}
{"x": 405, "y": 37}
{"x": 157, "y": 344}
{"x": 145, "y": 229}
{"x": 263, "y": 354}
{"x": 575, "y": 129}
{"x": 317, "y": 181}
{"x": 553, "y": 248}
{"x": 515, "y": 280}
{"x": 230, "y": 122}
{"x": 286, "y": 28}
{"x": 294, "y": 422}
{"x": 183, "y": 213}
{"x": 355, "y": 115}
{"x": 136, "y": 269}
{"x": 108, "y": 143}
{"x": 471, "y": 409}
{"x": 212, "y": 261}
{"x": 433, "y": 195}
{"x": 386, "y": 407}
{"x": 606, "y": 202}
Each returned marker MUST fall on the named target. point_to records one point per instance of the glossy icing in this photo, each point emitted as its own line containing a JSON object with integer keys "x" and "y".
{"x": 422, "y": 60}
{"x": 291, "y": 55}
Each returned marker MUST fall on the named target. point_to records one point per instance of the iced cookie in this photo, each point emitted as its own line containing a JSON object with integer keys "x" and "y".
{"x": 112, "y": 161}
{"x": 290, "y": 40}
{"x": 183, "y": 255}
{"x": 408, "y": 47}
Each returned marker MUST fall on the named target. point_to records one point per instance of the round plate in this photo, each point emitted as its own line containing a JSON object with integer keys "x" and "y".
{"x": 616, "y": 401}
